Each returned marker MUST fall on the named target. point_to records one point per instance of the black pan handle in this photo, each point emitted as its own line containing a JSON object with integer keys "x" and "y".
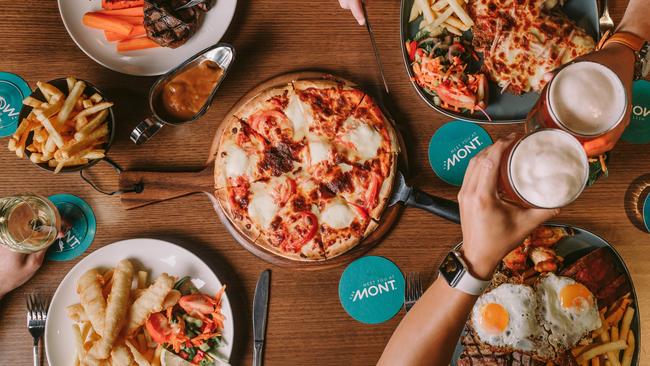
{"x": 447, "y": 209}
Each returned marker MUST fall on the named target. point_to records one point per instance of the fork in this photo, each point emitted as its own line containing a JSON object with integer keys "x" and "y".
{"x": 605, "y": 22}
{"x": 189, "y": 4}
{"x": 36, "y": 315}
{"x": 413, "y": 290}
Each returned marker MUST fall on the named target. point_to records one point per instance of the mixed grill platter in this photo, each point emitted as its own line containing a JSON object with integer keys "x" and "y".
{"x": 567, "y": 257}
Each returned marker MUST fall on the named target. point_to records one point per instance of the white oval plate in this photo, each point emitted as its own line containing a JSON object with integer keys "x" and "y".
{"x": 153, "y": 61}
{"x": 154, "y": 256}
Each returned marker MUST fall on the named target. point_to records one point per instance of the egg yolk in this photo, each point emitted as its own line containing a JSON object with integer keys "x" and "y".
{"x": 575, "y": 296}
{"x": 494, "y": 318}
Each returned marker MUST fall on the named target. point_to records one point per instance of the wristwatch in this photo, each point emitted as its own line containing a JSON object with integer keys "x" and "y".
{"x": 641, "y": 49}
{"x": 454, "y": 270}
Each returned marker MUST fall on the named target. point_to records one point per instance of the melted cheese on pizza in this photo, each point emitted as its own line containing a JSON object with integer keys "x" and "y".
{"x": 296, "y": 115}
{"x": 262, "y": 208}
{"x": 365, "y": 140}
{"x": 319, "y": 150}
{"x": 521, "y": 41}
{"x": 236, "y": 161}
{"x": 337, "y": 215}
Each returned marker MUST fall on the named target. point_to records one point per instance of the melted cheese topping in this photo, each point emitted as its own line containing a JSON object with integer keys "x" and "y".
{"x": 296, "y": 115}
{"x": 236, "y": 161}
{"x": 319, "y": 150}
{"x": 366, "y": 140}
{"x": 262, "y": 208}
{"x": 337, "y": 215}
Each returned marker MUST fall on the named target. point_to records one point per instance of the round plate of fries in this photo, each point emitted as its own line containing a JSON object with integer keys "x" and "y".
{"x": 103, "y": 309}
{"x": 576, "y": 253}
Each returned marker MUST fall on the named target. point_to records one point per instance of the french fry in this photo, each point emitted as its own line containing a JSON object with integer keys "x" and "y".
{"x": 49, "y": 89}
{"x": 137, "y": 356}
{"x": 601, "y": 349}
{"x": 442, "y": 18}
{"x": 626, "y": 322}
{"x": 455, "y": 22}
{"x": 121, "y": 356}
{"x": 604, "y": 337}
{"x": 47, "y": 124}
{"x": 94, "y": 109}
{"x": 58, "y": 165}
{"x": 453, "y": 30}
{"x": 142, "y": 279}
{"x": 462, "y": 14}
{"x": 22, "y": 127}
{"x": 80, "y": 122}
{"x": 85, "y": 143}
{"x": 20, "y": 145}
{"x": 91, "y": 125}
{"x": 615, "y": 314}
{"x": 595, "y": 361}
{"x": 40, "y": 134}
{"x": 12, "y": 144}
{"x": 37, "y": 158}
{"x": 76, "y": 313}
{"x": 415, "y": 11}
{"x": 156, "y": 356}
{"x": 629, "y": 351}
{"x": 70, "y": 101}
{"x": 87, "y": 103}
{"x": 426, "y": 10}
{"x": 50, "y": 146}
{"x": 96, "y": 98}
{"x": 31, "y": 148}
{"x": 32, "y": 102}
{"x": 70, "y": 81}
{"x": 78, "y": 342}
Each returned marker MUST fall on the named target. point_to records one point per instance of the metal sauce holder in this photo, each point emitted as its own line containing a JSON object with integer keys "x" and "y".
{"x": 222, "y": 54}
{"x": 62, "y": 84}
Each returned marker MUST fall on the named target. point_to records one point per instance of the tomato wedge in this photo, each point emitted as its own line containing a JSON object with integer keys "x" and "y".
{"x": 270, "y": 124}
{"x": 300, "y": 231}
{"x": 411, "y": 47}
{"x": 158, "y": 328}
{"x": 283, "y": 190}
{"x": 197, "y": 304}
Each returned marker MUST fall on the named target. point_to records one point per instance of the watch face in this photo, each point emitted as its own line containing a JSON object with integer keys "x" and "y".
{"x": 451, "y": 269}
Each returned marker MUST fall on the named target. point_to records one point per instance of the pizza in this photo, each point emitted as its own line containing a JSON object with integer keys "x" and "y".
{"x": 522, "y": 41}
{"x": 305, "y": 170}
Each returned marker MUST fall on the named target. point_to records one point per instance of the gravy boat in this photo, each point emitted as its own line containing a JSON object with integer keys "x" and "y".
{"x": 222, "y": 54}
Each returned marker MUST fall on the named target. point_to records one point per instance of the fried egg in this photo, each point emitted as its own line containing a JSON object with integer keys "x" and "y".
{"x": 505, "y": 317}
{"x": 567, "y": 310}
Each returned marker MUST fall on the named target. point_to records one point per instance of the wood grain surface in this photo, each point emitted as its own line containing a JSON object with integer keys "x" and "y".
{"x": 306, "y": 326}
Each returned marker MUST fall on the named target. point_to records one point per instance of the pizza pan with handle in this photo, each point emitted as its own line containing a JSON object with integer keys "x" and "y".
{"x": 157, "y": 186}
{"x": 502, "y": 107}
{"x": 572, "y": 248}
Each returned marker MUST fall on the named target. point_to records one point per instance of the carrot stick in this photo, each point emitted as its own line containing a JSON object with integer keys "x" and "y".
{"x": 134, "y": 44}
{"x": 128, "y": 12}
{"x": 137, "y": 20}
{"x": 105, "y": 22}
{"x": 138, "y": 31}
{"x": 121, "y": 4}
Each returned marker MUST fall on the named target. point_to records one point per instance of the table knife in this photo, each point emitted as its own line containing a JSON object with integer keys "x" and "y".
{"x": 260, "y": 312}
{"x": 374, "y": 46}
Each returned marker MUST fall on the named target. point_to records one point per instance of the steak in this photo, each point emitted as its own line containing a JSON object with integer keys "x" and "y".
{"x": 168, "y": 27}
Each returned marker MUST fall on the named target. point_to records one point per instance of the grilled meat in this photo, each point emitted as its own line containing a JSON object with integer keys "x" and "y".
{"x": 168, "y": 27}
{"x": 597, "y": 271}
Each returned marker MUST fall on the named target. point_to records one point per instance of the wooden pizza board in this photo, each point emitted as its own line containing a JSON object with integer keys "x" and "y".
{"x": 158, "y": 186}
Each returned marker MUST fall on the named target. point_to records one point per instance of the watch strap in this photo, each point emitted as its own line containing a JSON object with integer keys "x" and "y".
{"x": 630, "y": 40}
{"x": 471, "y": 285}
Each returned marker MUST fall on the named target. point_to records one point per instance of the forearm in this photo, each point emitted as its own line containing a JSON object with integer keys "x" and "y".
{"x": 636, "y": 19}
{"x": 428, "y": 333}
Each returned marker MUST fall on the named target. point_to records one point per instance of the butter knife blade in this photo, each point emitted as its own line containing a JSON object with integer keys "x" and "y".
{"x": 260, "y": 313}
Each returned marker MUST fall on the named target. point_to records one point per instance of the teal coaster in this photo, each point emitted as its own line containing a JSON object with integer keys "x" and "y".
{"x": 638, "y": 132}
{"x": 80, "y": 216}
{"x": 453, "y": 146}
{"x": 371, "y": 289}
{"x": 13, "y": 89}
{"x": 646, "y": 213}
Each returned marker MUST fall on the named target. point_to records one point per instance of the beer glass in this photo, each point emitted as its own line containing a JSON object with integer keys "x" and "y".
{"x": 547, "y": 168}
{"x": 585, "y": 99}
{"x": 28, "y": 223}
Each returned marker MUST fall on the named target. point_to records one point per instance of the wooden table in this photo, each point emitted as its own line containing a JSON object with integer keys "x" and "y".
{"x": 307, "y": 326}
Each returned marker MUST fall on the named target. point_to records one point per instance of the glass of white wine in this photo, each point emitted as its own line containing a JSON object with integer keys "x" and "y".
{"x": 28, "y": 223}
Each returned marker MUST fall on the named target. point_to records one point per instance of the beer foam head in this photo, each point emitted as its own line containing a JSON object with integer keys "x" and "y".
{"x": 587, "y": 98}
{"x": 549, "y": 168}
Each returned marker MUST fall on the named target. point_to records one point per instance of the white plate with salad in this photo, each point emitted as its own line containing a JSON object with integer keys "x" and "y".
{"x": 172, "y": 304}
